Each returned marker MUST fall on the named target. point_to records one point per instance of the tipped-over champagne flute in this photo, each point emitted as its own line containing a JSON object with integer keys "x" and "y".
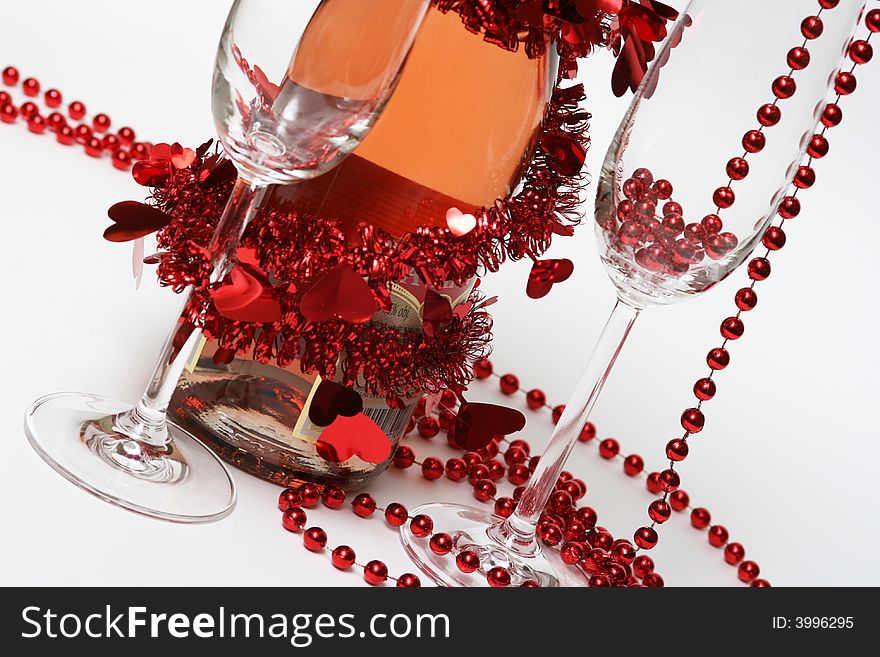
{"x": 692, "y": 180}
{"x": 283, "y": 114}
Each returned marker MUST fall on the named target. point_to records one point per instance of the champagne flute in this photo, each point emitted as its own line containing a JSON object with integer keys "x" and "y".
{"x": 274, "y": 133}
{"x": 665, "y": 231}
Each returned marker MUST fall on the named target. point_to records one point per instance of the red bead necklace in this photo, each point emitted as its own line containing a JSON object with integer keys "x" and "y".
{"x": 95, "y": 136}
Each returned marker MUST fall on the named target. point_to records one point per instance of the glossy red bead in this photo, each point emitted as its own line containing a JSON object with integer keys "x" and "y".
{"x": 718, "y": 535}
{"x": 746, "y": 299}
{"x": 8, "y": 113}
{"x": 737, "y": 168}
{"x": 456, "y": 469}
{"x": 804, "y": 177}
{"x": 28, "y": 110}
{"x": 432, "y": 468}
{"x": 734, "y": 553}
{"x": 653, "y": 581}
{"x": 754, "y": 141}
{"x": 832, "y": 115}
{"x": 476, "y": 472}
{"x": 557, "y": 412}
{"x": 30, "y": 87}
{"x": 828, "y": 4}
{"x": 140, "y": 151}
{"x": 310, "y": 495}
{"x": 769, "y": 114}
{"x": 812, "y": 27}
{"x": 652, "y": 482}
{"x": 52, "y": 98}
{"x": 645, "y": 537}
{"x": 774, "y": 238}
{"x": 724, "y": 197}
{"x": 375, "y": 572}
{"x": 798, "y": 58}
{"x": 408, "y": 581}
{"x": 504, "y": 507}
{"x": 126, "y": 135}
{"x": 441, "y": 544}
{"x": 10, "y": 76}
{"x": 677, "y": 450}
{"x": 111, "y": 142}
{"x": 872, "y": 20}
{"x": 467, "y": 561}
{"x": 609, "y": 448}
{"x": 588, "y": 516}
{"x": 679, "y": 500}
{"x": 817, "y": 146}
{"x": 760, "y": 584}
{"x": 498, "y": 577}
{"x": 343, "y": 557}
{"x": 56, "y": 121}
{"x": 289, "y": 497}
{"x": 64, "y": 134}
{"x": 748, "y": 571}
{"x": 571, "y": 553}
{"x": 483, "y": 368}
{"x": 403, "y": 457}
{"x": 515, "y": 455}
{"x": 704, "y": 389}
{"x": 693, "y": 420}
{"x": 718, "y": 358}
{"x": 363, "y": 505}
{"x": 484, "y": 490}
{"x": 76, "y": 110}
{"x": 712, "y": 224}
{"x": 101, "y": 122}
{"x": 94, "y": 147}
{"x": 789, "y": 208}
{"x": 700, "y": 517}
{"x": 587, "y": 433}
{"x": 535, "y": 399}
{"x": 784, "y": 87}
{"x": 659, "y": 511}
{"x": 428, "y": 427}
{"x": 551, "y": 534}
{"x": 845, "y": 83}
{"x": 633, "y": 465}
{"x": 421, "y": 526}
{"x": 294, "y": 519}
{"x": 396, "y": 514}
{"x": 37, "y": 124}
{"x": 642, "y": 565}
{"x": 333, "y": 497}
{"x": 598, "y": 581}
{"x": 315, "y": 539}
{"x": 518, "y": 474}
{"x": 509, "y": 384}
{"x": 758, "y": 269}
{"x": 663, "y": 188}
{"x": 669, "y": 480}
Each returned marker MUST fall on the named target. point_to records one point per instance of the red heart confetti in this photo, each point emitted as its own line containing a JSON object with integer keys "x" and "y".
{"x": 331, "y": 400}
{"x": 340, "y": 293}
{"x": 247, "y": 296}
{"x": 545, "y": 273}
{"x": 477, "y": 422}
{"x": 132, "y": 220}
{"x": 459, "y": 223}
{"x": 353, "y": 436}
{"x": 567, "y": 153}
{"x": 216, "y": 170}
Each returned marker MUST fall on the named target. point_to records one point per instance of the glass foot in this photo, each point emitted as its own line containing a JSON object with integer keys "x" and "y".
{"x": 182, "y": 482}
{"x": 469, "y": 528}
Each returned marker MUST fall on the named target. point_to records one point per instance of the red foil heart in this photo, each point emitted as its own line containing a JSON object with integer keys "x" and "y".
{"x": 133, "y": 220}
{"x": 353, "y": 436}
{"x": 248, "y": 296}
{"x": 340, "y": 293}
{"x": 436, "y": 311}
{"x": 545, "y": 273}
{"x": 567, "y": 153}
{"x": 477, "y": 422}
{"x": 332, "y": 400}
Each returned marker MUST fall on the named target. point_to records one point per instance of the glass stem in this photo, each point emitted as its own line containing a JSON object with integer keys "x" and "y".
{"x": 517, "y": 532}
{"x": 146, "y": 422}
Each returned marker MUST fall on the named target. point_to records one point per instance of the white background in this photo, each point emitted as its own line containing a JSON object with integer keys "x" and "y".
{"x": 787, "y": 462}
